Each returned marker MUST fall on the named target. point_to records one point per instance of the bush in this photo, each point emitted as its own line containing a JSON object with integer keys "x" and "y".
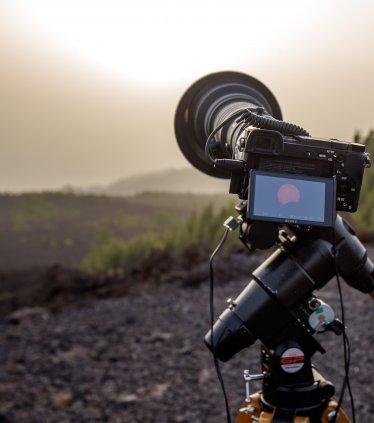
{"x": 364, "y": 217}
{"x": 112, "y": 255}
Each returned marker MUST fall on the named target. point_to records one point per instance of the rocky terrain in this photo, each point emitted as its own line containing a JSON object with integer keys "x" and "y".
{"x": 132, "y": 350}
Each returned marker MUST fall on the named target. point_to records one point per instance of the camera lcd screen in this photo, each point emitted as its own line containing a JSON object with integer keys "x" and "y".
{"x": 291, "y": 198}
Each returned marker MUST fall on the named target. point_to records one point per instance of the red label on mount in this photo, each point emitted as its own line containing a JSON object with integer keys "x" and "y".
{"x": 292, "y": 360}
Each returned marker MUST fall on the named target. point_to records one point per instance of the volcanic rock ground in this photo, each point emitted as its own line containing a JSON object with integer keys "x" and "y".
{"x": 140, "y": 357}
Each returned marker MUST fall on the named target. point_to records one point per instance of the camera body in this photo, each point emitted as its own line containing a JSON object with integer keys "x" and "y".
{"x": 270, "y": 151}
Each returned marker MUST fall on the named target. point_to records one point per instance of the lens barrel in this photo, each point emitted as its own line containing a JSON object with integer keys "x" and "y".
{"x": 207, "y": 103}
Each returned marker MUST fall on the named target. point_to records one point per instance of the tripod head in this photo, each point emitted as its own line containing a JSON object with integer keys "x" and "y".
{"x": 278, "y": 303}
{"x": 279, "y": 308}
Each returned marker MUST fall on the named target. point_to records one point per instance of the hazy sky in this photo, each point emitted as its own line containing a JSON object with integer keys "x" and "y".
{"x": 88, "y": 88}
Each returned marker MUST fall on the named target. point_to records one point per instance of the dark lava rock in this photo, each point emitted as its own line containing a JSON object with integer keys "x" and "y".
{"x": 141, "y": 357}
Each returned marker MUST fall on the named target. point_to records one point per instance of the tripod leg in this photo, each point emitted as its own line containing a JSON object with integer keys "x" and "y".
{"x": 250, "y": 408}
{"x": 251, "y": 411}
{"x": 342, "y": 417}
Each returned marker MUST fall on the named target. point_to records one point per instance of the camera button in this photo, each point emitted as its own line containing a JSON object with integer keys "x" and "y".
{"x": 342, "y": 189}
{"x": 351, "y": 185}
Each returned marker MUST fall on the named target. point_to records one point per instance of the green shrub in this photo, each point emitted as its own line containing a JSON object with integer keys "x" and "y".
{"x": 364, "y": 217}
{"x": 111, "y": 255}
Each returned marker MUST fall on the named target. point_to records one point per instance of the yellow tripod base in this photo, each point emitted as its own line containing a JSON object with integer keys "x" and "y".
{"x": 251, "y": 411}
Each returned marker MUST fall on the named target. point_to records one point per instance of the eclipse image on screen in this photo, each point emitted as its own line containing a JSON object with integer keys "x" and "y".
{"x": 288, "y": 193}
{"x": 289, "y": 199}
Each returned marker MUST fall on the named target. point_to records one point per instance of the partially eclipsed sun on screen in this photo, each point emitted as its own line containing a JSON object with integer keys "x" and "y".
{"x": 288, "y": 193}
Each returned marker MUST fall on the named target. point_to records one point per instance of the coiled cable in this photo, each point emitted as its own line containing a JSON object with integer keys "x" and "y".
{"x": 267, "y": 122}
{"x": 247, "y": 117}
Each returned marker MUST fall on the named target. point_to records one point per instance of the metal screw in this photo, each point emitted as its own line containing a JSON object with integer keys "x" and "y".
{"x": 314, "y": 303}
{"x": 248, "y": 410}
{"x": 331, "y": 416}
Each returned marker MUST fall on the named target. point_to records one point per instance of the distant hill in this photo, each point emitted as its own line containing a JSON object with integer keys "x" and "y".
{"x": 171, "y": 180}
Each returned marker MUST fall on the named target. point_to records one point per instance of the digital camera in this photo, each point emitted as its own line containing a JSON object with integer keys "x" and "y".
{"x": 229, "y": 125}
{"x": 297, "y": 179}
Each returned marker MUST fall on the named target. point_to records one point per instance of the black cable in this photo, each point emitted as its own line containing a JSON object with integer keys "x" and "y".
{"x": 220, "y": 126}
{"x": 342, "y": 392}
{"x": 349, "y": 383}
{"x": 250, "y": 118}
{"x": 268, "y": 122}
{"x": 211, "y": 304}
{"x": 346, "y": 345}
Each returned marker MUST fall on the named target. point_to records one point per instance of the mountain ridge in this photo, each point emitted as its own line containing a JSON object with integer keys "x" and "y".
{"x": 185, "y": 180}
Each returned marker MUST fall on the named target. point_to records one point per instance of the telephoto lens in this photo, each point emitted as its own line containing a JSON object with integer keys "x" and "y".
{"x": 207, "y": 103}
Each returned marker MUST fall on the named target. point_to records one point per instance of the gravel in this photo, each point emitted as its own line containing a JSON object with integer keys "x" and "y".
{"x": 141, "y": 358}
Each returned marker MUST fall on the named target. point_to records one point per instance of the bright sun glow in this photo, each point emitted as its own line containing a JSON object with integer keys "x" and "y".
{"x": 161, "y": 41}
